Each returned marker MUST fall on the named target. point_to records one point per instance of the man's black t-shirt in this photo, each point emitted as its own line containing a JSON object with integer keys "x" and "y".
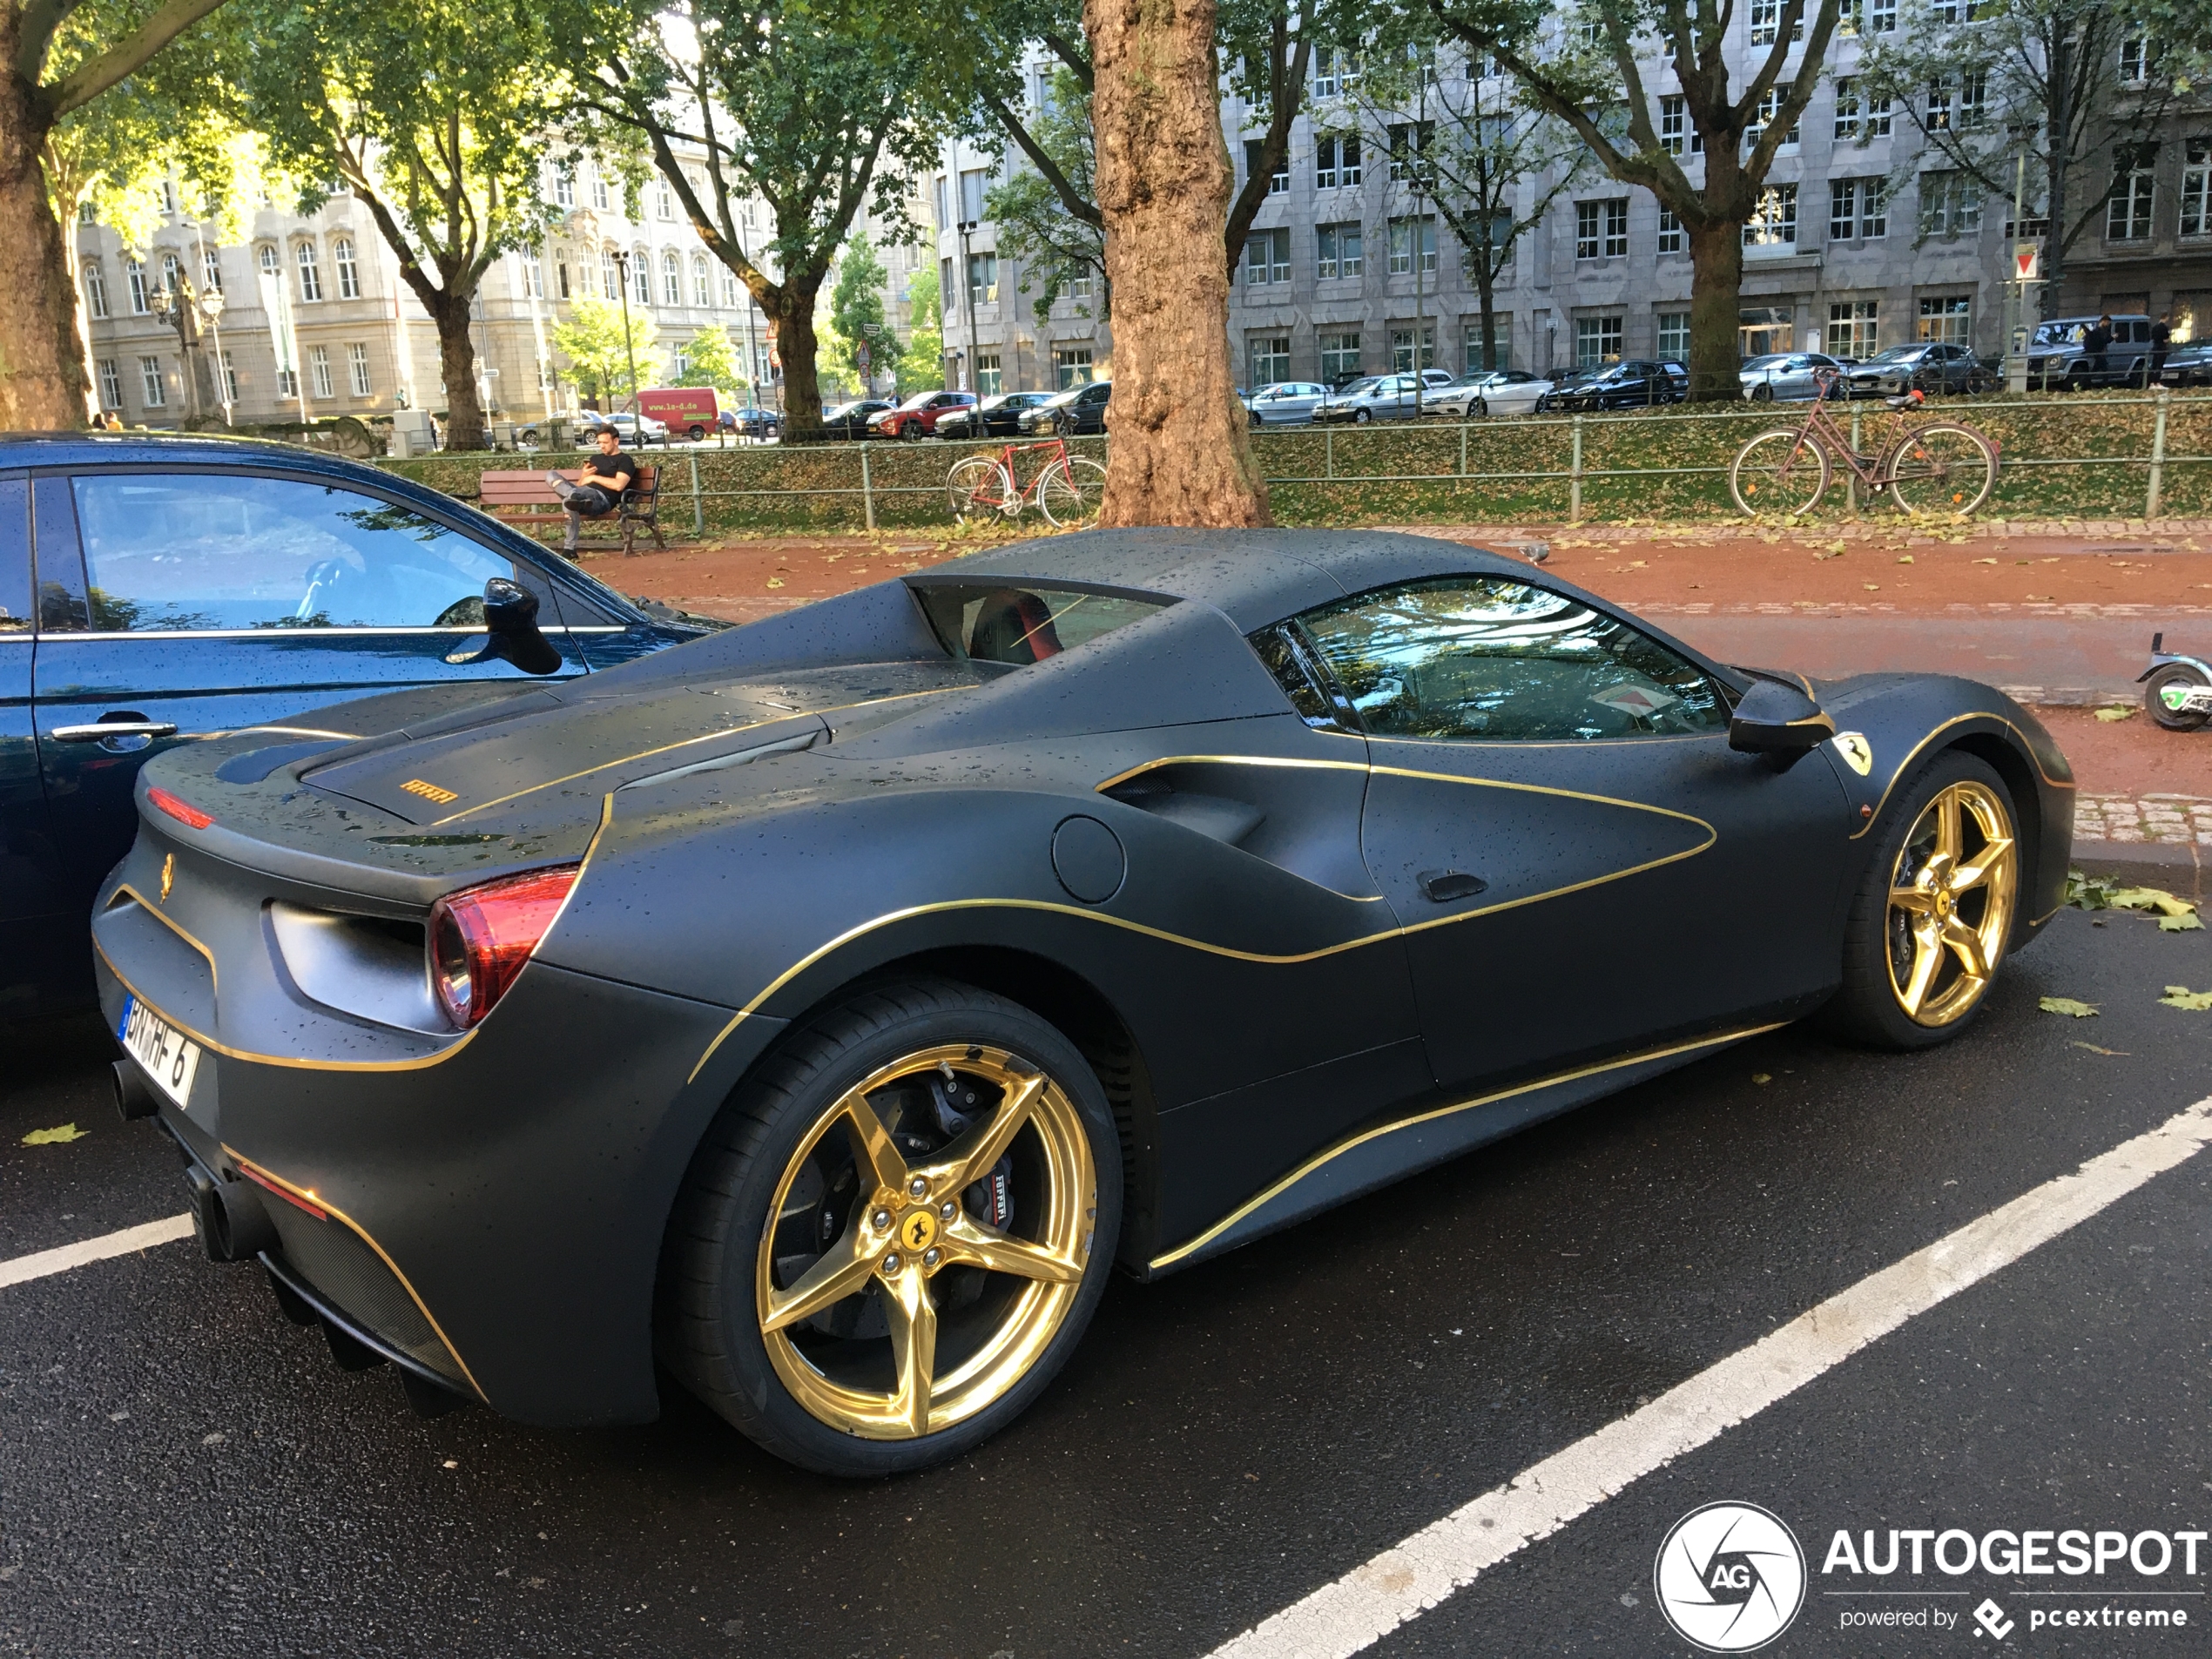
{"x": 603, "y": 470}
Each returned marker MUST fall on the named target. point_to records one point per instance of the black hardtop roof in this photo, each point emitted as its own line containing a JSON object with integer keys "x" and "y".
{"x": 111, "y": 448}
{"x": 1254, "y": 576}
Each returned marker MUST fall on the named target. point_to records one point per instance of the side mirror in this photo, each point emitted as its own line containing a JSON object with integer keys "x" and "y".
{"x": 1778, "y": 720}
{"x": 510, "y": 631}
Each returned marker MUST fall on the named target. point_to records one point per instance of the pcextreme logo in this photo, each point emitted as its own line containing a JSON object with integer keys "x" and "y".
{"x": 1729, "y": 1577}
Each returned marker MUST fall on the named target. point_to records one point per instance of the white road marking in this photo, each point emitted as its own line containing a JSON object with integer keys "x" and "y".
{"x": 1403, "y": 1582}
{"x": 144, "y": 1236}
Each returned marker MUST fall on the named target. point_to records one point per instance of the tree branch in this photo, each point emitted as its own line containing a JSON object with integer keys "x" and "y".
{"x": 1070, "y": 198}
{"x": 1070, "y": 54}
{"x": 88, "y": 80}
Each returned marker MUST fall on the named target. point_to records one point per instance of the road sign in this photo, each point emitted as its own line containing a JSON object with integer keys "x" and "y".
{"x": 2028, "y": 261}
{"x": 861, "y": 356}
{"x": 871, "y": 329}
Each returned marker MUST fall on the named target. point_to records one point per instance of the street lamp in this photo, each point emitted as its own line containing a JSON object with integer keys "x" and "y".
{"x": 622, "y": 272}
{"x": 967, "y": 228}
{"x": 186, "y": 310}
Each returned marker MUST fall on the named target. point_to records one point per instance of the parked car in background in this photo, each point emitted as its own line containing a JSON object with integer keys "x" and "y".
{"x": 918, "y": 416}
{"x": 1927, "y": 366}
{"x": 995, "y": 417}
{"x": 850, "y": 420}
{"x": 692, "y": 410}
{"x": 1381, "y": 397}
{"x": 1482, "y": 393}
{"x": 1784, "y": 375}
{"x": 1632, "y": 383}
{"x": 751, "y": 422}
{"x": 1073, "y": 412}
{"x": 1285, "y": 403}
{"x": 633, "y": 430}
{"x": 2058, "y": 356}
{"x": 191, "y": 586}
{"x": 2188, "y": 364}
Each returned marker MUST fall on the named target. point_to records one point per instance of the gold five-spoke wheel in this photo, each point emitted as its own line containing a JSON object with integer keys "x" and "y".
{"x": 1951, "y": 903}
{"x": 926, "y": 1240}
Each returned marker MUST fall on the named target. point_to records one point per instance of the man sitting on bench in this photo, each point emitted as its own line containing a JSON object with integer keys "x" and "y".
{"x": 607, "y": 477}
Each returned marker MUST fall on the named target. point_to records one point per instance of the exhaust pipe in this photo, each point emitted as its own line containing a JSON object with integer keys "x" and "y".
{"x": 133, "y": 1099}
{"x": 228, "y": 1217}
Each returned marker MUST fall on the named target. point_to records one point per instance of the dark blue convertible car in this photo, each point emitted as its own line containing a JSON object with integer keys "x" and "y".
{"x": 155, "y": 590}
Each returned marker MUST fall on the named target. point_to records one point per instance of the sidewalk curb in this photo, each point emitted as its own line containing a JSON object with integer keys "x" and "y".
{"x": 2174, "y": 866}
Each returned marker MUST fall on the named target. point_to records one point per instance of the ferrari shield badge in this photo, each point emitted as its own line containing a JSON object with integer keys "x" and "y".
{"x": 1857, "y": 753}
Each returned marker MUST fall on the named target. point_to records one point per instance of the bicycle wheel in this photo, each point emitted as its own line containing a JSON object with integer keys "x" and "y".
{"x": 1781, "y": 472}
{"x": 1070, "y": 490}
{"x": 1946, "y": 467}
{"x": 977, "y": 487}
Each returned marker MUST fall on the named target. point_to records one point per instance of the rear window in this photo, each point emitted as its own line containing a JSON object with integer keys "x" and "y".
{"x": 1016, "y": 624}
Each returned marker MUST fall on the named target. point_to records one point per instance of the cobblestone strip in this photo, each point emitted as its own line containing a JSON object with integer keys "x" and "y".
{"x": 2169, "y": 819}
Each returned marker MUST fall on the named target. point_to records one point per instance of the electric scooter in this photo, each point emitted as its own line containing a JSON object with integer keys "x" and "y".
{"x": 2177, "y": 689}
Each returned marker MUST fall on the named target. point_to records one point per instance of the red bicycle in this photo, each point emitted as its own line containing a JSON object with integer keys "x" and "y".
{"x": 1066, "y": 489}
{"x": 1943, "y": 467}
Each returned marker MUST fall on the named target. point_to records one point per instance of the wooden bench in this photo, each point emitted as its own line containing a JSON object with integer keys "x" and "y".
{"x": 522, "y": 498}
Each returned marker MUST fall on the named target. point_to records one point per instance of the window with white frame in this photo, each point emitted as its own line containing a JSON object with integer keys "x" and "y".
{"x": 111, "y": 384}
{"x": 1848, "y": 114}
{"x": 230, "y": 376}
{"x": 1601, "y": 229}
{"x": 357, "y": 367}
{"x": 1950, "y": 205}
{"x": 1843, "y": 209}
{"x": 610, "y": 274}
{"x": 1676, "y": 136}
{"x": 641, "y": 276}
{"x": 1070, "y": 367}
{"x": 2197, "y": 188}
{"x": 1405, "y": 234}
{"x": 1674, "y": 335}
{"x": 1079, "y": 284}
{"x": 172, "y": 271}
{"x": 134, "y": 274}
{"x": 1853, "y": 328}
{"x": 1948, "y": 318}
{"x": 1873, "y": 209}
{"x": 1942, "y": 101}
{"x": 671, "y": 279}
{"x": 1597, "y": 339}
{"x": 664, "y": 200}
{"x": 2127, "y": 209}
{"x": 729, "y": 289}
{"x": 1334, "y": 72}
{"x": 211, "y": 270}
{"x": 1881, "y": 16}
{"x": 1339, "y": 354}
{"x": 1774, "y": 219}
{"x": 564, "y": 186}
{"x": 1770, "y": 107}
{"x": 319, "y": 372}
{"x": 1267, "y": 258}
{"x": 702, "y": 286}
{"x": 990, "y": 379}
{"x": 1402, "y": 349}
{"x": 1408, "y": 139}
{"x": 1278, "y": 182}
{"x": 152, "y": 392}
{"x": 287, "y": 384}
{"x": 1339, "y": 252}
{"x": 598, "y": 188}
{"x": 310, "y": 271}
{"x": 95, "y": 289}
{"x": 169, "y": 196}
{"x": 2134, "y": 56}
{"x": 983, "y": 278}
{"x": 350, "y": 276}
{"x": 1671, "y": 236}
{"x": 1471, "y": 345}
{"x": 1336, "y": 161}
{"x": 267, "y": 258}
{"x": 1766, "y": 22}
{"x": 1267, "y": 359}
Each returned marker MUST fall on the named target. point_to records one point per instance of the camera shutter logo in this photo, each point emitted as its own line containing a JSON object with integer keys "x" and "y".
{"x": 1729, "y": 1577}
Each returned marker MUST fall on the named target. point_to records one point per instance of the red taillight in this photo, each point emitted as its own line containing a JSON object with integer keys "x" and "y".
{"x": 480, "y": 938}
{"x": 165, "y": 802}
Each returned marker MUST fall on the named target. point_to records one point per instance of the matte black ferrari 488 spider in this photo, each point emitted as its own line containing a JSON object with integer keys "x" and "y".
{"x": 825, "y": 1006}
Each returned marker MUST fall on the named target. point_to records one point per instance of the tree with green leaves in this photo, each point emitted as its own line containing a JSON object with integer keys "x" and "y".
{"x": 773, "y": 100}
{"x": 435, "y": 117}
{"x": 1055, "y": 246}
{"x": 2080, "y": 86}
{"x": 922, "y": 364}
{"x": 57, "y": 69}
{"x": 711, "y": 359}
{"x": 856, "y": 303}
{"x": 1584, "y": 67}
{"x": 599, "y": 349}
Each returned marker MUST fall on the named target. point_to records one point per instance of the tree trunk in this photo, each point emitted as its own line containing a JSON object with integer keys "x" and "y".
{"x": 2058, "y": 139}
{"x": 1181, "y": 452}
{"x": 42, "y": 369}
{"x": 1715, "y": 313}
{"x": 1485, "y": 281}
{"x": 792, "y": 304}
{"x": 457, "y": 363}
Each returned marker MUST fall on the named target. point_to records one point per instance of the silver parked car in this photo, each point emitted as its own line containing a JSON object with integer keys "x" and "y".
{"x": 1785, "y": 374}
{"x": 1285, "y": 403}
{"x": 1501, "y": 391}
{"x": 1382, "y": 397}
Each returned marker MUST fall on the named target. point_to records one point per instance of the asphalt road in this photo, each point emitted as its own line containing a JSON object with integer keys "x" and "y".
{"x": 181, "y": 1472}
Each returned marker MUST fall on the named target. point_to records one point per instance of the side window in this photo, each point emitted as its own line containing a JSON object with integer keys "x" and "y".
{"x": 217, "y": 550}
{"x": 1488, "y": 657}
{"x": 14, "y": 556}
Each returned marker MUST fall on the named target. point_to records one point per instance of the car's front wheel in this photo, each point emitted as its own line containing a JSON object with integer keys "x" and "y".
{"x": 896, "y": 1232}
{"x": 1933, "y": 913}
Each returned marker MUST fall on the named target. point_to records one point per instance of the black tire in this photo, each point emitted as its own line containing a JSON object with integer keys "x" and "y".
{"x": 1763, "y": 394}
{"x": 1868, "y": 1007}
{"x": 1361, "y": 417}
{"x": 2173, "y": 721}
{"x": 708, "y": 1324}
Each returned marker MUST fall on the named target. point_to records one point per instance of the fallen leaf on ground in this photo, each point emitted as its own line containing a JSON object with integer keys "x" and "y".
{"x": 1985, "y": 561}
{"x": 1872, "y": 587}
{"x": 775, "y": 582}
{"x": 2113, "y": 714}
{"x": 2180, "y": 925}
{"x": 2120, "y": 1054}
{"x": 1904, "y": 558}
{"x": 56, "y": 1135}
{"x": 2151, "y": 899}
{"x": 2180, "y": 996}
{"x": 2080, "y": 1010}
{"x": 1762, "y": 1078}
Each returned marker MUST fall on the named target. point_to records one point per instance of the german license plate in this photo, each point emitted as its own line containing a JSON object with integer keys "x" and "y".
{"x": 170, "y": 1058}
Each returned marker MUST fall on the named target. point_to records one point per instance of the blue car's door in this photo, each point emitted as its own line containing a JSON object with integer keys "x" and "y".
{"x": 36, "y": 916}
{"x": 174, "y": 603}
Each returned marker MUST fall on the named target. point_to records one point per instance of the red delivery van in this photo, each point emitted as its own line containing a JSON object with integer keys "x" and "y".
{"x": 689, "y": 410}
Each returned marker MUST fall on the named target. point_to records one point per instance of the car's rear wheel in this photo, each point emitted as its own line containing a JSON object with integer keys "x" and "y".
{"x": 896, "y": 1232}
{"x": 1933, "y": 914}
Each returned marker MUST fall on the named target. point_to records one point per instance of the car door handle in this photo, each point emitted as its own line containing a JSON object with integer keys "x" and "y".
{"x": 1442, "y": 886}
{"x": 105, "y": 729}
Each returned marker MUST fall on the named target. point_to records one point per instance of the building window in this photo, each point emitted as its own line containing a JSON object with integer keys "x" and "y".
{"x": 1597, "y": 339}
{"x": 86, "y": 214}
{"x": 172, "y": 271}
{"x": 598, "y": 188}
{"x": 641, "y": 276}
{"x": 349, "y": 277}
{"x": 357, "y": 368}
{"x": 1950, "y": 205}
{"x": 1766, "y": 22}
{"x": 982, "y": 278}
{"x": 155, "y": 394}
{"x": 1853, "y": 330}
{"x": 664, "y": 200}
{"x": 730, "y": 289}
{"x": 111, "y": 384}
{"x": 1340, "y": 251}
{"x": 564, "y": 186}
{"x": 1407, "y": 140}
{"x": 1843, "y": 209}
{"x": 671, "y": 279}
{"x": 319, "y": 371}
{"x": 971, "y": 195}
{"x": 1403, "y": 233}
{"x": 169, "y": 196}
{"x": 1079, "y": 284}
{"x": 989, "y": 381}
{"x": 2135, "y": 57}
{"x": 95, "y": 288}
{"x": 1881, "y": 16}
{"x": 1402, "y": 349}
{"x": 1674, "y": 335}
{"x": 2196, "y": 189}
{"x": 230, "y": 377}
{"x": 1333, "y": 72}
{"x": 1267, "y": 258}
{"x": 1774, "y": 219}
{"x": 1471, "y": 353}
{"x": 1601, "y": 229}
{"x": 1973, "y": 101}
{"x": 1671, "y": 239}
{"x": 1336, "y": 161}
{"x": 1267, "y": 360}
{"x": 1848, "y": 114}
{"x": 1278, "y": 182}
{"x": 702, "y": 288}
{"x": 1070, "y": 365}
{"x": 2127, "y": 210}
{"x": 287, "y": 384}
{"x": 1339, "y": 355}
{"x": 1950, "y": 319}
{"x": 1873, "y": 209}
{"x": 611, "y": 282}
{"x": 1770, "y": 107}
{"x": 267, "y": 258}
{"x": 310, "y": 272}
{"x": 134, "y": 272}
{"x": 1675, "y": 133}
